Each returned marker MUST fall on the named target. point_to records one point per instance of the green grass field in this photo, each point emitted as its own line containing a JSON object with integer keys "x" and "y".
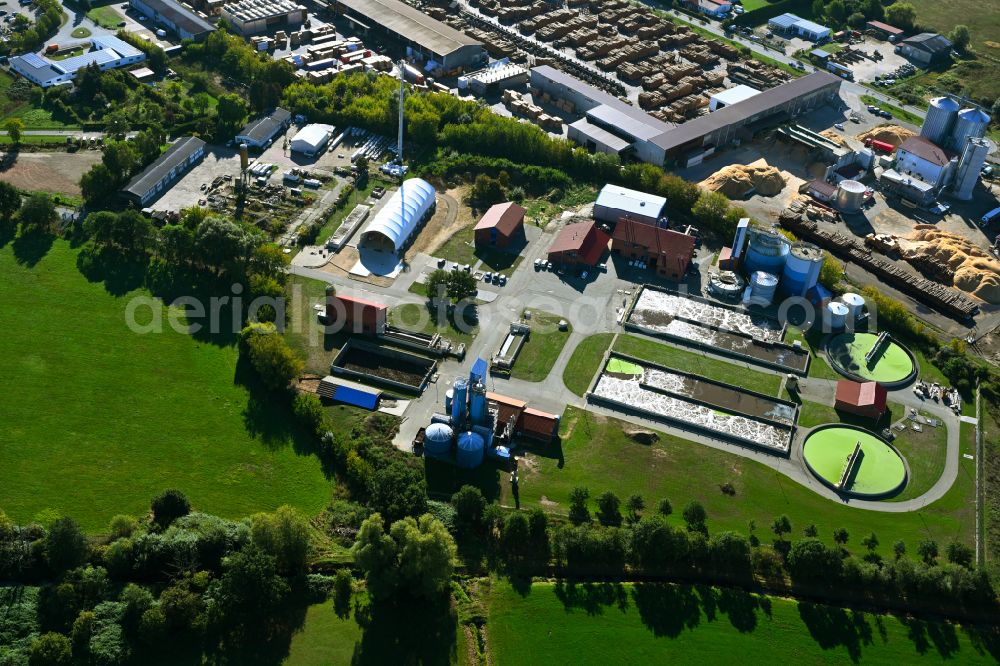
{"x": 818, "y": 365}
{"x": 97, "y": 420}
{"x": 897, "y": 112}
{"x": 593, "y": 623}
{"x": 706, "y": 366}
{"x": 585, "y": 361}
{"x": 105, "y": 16}
{"x": 416, "y": 317}
{"x": 460, "y": 249}
{"x": 325, "y": 638}
{"x": 597, "y": 454}
{"x": 879, "y": 470}
{"x": 542, "y": 348}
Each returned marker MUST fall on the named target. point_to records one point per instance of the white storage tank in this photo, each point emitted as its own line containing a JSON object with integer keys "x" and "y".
{"x": 971, "y": 123}
{"x": 836, "y": 315}
{"x": 941, "y": 114}
{"x": 801, "y": 269}
{"x": 850, "y": 195}
{"x": 766, "y": 251}
{"x": 762, "y": 288}
{"x": 855, "y": 305}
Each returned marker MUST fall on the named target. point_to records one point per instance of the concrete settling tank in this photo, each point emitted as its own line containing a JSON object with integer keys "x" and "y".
{"x": 801, "y": 269}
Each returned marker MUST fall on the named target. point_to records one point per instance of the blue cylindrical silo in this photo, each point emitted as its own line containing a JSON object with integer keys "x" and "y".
{"x": 477, "y": 405}
{"x": 459, "y": 401}
{"x": 766, "y": 252}
{"x": 802, "y": 269}
{"x": 437, "y": 440}
{"x": 471, "y": 448}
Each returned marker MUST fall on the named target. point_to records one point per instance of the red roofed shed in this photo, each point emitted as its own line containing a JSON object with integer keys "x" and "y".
{"x": 666, "y": 250}
{"x": 884, "y": 29}
{"x": 538, "y": 425}
{"x": 582, "y": 243}
{"x": 501, "y": 224}
{"x": 357, "y": 315}
{"x": 866, "y": 399}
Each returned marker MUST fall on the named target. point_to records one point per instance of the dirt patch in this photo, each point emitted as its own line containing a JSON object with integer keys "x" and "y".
{"x": 547, "y": 503}
{"x": 52, "y": 172}
{"x": 737, "y": 180}
{"x": 342, "y": 263}
{"x": 893, "y": 134}
{"x": 641, "y": 436}
{"x": 450, "y": 217}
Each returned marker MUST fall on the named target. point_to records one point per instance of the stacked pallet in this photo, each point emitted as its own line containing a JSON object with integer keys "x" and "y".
{"x": 700, "y": 54}
{"x": 727, "y": 51}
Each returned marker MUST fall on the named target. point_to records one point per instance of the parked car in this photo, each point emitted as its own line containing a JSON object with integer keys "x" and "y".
{"x": 487, "y": 277}
{"x": 538, "y": 264}
{"x": 121, "y": 24}
{"x": 886, "y": 115}
{"x": 839, "y": 126}
{"x": 872, "y": 109}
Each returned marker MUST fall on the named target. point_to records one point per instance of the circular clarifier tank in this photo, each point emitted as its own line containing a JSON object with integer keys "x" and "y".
{"x": 893, "y": 366}
{"x": 878, "y": 471}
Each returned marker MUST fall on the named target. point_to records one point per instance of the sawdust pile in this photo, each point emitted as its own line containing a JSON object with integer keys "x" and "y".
{"x": 976, "y": 271}
{"x": 834, "y": 136}
{"x": 737, "y": 180}
{"x": 893, "y": 134}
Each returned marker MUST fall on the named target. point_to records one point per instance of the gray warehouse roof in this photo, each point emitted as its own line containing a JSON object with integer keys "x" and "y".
{"x": 262, "y": 129}
{"x": 161, "y": 166}
{"x": 411, "y": 24}
{"x": 610, "y": 110}
{"x": 183, "y": 18}
{"x": 729, "y": 115}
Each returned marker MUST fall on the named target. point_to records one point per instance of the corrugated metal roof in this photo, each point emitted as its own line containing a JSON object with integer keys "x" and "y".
{"x": 122, "y": 47}
{"x": 784, "y": 21}
{"x": 182, "y": 17}
{"x": 762, "y": 103}
{"x": 810, "y": 26}
{"x": 925, "y": 150}
{"x": 505, "y": 217}
{"x": 735, "y": 94}
{"x": 929, "y": 41}
{"x": 101, "y": 57}
{"x": 600, "y": 135}
{"x": 885, "y": 27}
{"x": 412, "y": 25}
{"x": 631, "y": 201}
{"x": 262, "y": 129}
{"x": 154, "y": 173}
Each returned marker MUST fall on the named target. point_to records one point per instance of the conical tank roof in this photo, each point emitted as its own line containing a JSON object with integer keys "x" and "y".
{"x": 974, "y": 116}
{"x": 945, "y": 104}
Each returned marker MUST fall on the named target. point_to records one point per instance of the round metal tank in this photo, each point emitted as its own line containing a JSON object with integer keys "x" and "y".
{"x": 941, "y": 114}
{"x": 855, "y": 304}
{"x": 449, "y": 399}
{"x": 471, "y": 449}
{"x": 836, "y": 315}
{"x": 762, "y": 287}
{"x": 437, "y": 439}
{"x": 850, "y": 195}
{"x": 801, "y": 269}
{"x": 726, "y": 284}
{"x": 766, "y": 251}
{"x": 459, "y": 400}
{"x": 477, "y": 405}
{"x": 970, "y": 123}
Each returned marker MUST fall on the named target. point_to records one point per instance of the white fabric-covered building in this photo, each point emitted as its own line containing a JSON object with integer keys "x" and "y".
{"x": 311, "y": 139}
{"x": 407, "y": 209}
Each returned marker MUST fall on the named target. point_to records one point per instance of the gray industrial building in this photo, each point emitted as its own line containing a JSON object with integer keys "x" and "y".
{"x": 259, "y": 132}
{"x": 173, "y": 16}
{"x": 250, "y": 17}
{"x": 612, "y": 126}
{"x": 425, "y": 37}
{"x": 167, "y": 168}
{"x": 925, "y": 49}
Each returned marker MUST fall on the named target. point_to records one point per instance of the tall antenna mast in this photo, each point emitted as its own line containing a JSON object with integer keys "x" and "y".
{"x": 402, "y": 95}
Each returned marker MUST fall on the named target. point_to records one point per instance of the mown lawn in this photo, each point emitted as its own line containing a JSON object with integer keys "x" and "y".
{"x": 97, "y": 419}
{"x": 594, "y": 623}
{"x": 818, "y": 366}
{"x": 105, "y": 16}
{"x": 324, "y": 639}
{"x": 461, "y": 249}
{"x": 418, "y": 318}
{"x": 706, "y": 366}
{"x": 542, "y": 348}
{"x": 925, "y": 452}
{"x": 585, "y": 361}
{"x": 596, "y": 453}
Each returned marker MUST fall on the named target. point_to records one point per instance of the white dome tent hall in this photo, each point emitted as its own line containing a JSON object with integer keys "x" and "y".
{"x": 394, "y": 226}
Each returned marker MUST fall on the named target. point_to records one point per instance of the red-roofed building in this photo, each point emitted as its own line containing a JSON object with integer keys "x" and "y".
{"x": 357, "y": 315}
{"x": 502, "y": 223}
{"x": 866, "y": 399}
{"x": 539, "y": 425}
{"x": 666, "y": 250}
{"x": 581, "y": 244}
{"x": 884, "y": 30}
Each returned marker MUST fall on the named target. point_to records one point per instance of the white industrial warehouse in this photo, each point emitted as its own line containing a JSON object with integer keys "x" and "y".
{"x": 311, "y": 139}
{"x": 392, "y": 227}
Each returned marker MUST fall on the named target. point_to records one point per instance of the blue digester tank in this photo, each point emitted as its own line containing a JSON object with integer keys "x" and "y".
{"x": 470, "y": 451}
{"x": 459, "y": 400}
